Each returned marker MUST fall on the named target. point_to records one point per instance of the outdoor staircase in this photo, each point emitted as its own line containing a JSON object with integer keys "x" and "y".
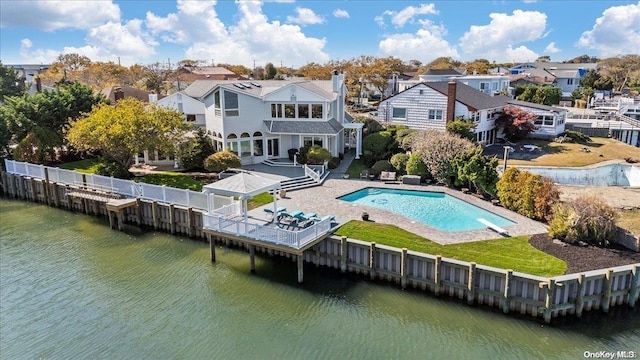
{"x": 301, "y": 182}
{"x": 278, "y": 162}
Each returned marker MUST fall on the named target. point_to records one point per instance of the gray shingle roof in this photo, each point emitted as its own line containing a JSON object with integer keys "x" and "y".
{"x": 331, "y": 127}
{"x": 201, "y": 88}
{"x": 534, "y": 105}
{"x": 468, "y": 95}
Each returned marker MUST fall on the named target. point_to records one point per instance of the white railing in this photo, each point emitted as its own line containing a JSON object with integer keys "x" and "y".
{"x": 181, "y": 197}
{"x": 311, "y": 173}
{"x": 240, "y": 227}
{"x": 233, "y": 209}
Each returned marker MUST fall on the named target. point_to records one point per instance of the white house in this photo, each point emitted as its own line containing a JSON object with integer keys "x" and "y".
{"x": 260, "y": 120}
{"x": 193, "y": 109}
{"x": 430, "y": 105}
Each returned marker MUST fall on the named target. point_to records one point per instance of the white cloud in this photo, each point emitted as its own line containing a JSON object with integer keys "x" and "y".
{"x": 408, "y": 14}
{"x": 616, "y": 32}
{"x": 305, "y": 16}
{"x": 339, "y": 13}
{"x": 128, "y": 40}
{"x": 496, "y": 40}
{"x": 25, "y": 45}
{"x": 529, "y": 1}
{"x": 252, "y": 37}
{"x": 551, "y": 48}
{"x": 51, "y": 15}
{"x": 426, "y": 44}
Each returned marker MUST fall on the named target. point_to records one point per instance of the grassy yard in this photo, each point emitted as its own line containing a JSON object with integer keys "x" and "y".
{"x": 357, "y": 165}
{"x": 87, "y": 166}
{"x": 571, "y": 154}
{"x": 630, "y": 220}
{"x": 171, "y": 179}
{"x": 505, "y": 253}
{"x": 259, "y": 200}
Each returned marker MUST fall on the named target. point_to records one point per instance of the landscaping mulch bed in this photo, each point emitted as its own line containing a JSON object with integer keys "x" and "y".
{"x": 585, "y": 258}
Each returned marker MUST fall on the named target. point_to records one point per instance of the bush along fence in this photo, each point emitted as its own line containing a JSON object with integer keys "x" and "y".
{"x": 512, "y": 292}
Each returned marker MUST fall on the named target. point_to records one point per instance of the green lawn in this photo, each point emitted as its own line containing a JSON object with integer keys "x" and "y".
{"x": 259, "y": 200}
{"x": 87, "y": 166}
{"x": 171, "y": 179}
{"x": 505, "y": 253}
{"x": 357, "y": 165}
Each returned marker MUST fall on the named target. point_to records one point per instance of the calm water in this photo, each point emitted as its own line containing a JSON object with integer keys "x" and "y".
{"x": 435, "y": 209}
{"x": 70, "y": 288}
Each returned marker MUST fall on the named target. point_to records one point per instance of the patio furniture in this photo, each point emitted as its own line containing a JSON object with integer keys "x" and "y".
{"x": 364, "y": 174}
{"x": 411, "y": 179}
{"x": 388, "y": 176}
{"x": 270, "y": 213}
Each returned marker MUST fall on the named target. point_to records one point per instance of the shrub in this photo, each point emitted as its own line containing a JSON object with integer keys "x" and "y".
{"x": 371, "y": 126}
{"x": 415, "y": 166}
{"x": 399, "y": 162}
{"x": 317, "y": 155}
{"x": 334, "y": 163}
{"x": 303, "y": 155}
{"x": 477, "y": 170}
{"x": 380, "y": 166}
{"x": 196, "y": 150}
{"x": 110, "y": 167}
{"x": 221, "y": 161}
{"x": 376, "y": 146}
{"x": 587, "y": 218}
{"x": 462, "y": 127}
{"x": 528, "y": 194}
{"x": 291, "y": 153}
{"x": 437, "y": 150}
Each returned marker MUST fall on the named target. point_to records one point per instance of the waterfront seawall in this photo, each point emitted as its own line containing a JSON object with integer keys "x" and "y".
{"x": 512, "y": 292}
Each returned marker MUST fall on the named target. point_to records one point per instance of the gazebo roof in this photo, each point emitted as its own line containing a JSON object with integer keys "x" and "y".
{"x": 242, "y": 185}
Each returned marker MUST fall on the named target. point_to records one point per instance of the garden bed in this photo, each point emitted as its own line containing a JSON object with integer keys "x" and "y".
{"x": 585, "y": 258}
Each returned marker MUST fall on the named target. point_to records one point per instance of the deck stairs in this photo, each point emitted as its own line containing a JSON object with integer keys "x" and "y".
{"x": 299, "y": 182}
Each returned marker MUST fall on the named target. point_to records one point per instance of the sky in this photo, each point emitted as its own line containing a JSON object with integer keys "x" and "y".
{"x": 293, "y": 33}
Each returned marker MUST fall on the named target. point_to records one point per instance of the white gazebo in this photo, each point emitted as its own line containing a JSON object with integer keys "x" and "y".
{"x": 244, "y": 186}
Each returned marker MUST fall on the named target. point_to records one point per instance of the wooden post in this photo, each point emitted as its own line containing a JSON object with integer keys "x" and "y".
{"x": 212, "y": 247}
{"x": 343, "y": 254}
{"x": 45, "y": 186}
{"x": 120, "y": 219}
{"x": 55, "y": 194}
{"x": 138, "y": 212}
{"x": 69, "y": 199}
{"x": 3, "y": 178}
{"x": 32, "y": 182}
{"x": 436, "y": 275}
{"x": 252, "y": 255}
{"x": 606, "y": 290}
{"x": 85, "y": 206}
{"x": 300, "y": 268}
{"x": 471, "y": 284}
{"x": 580, "y": 297}
{"x": 507, "y": 291}
{"x": 403, "y": 268}
{"x": 548, "y": 301}
{"x": 172, "y": 220}
{"x": 154, "y": 213}
{"x": 22, "y": 188}
{"x": 633, "y": 290}
{"x": 190, "y": 222}
{"x": 372, "y": 260}
{"x": 110, "y": 214}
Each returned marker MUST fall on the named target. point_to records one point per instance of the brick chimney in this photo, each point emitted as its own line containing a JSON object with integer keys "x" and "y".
{"x": 451, "y": 100}
{"x": 118, "y": 94}
{"x": 38, "y": 84}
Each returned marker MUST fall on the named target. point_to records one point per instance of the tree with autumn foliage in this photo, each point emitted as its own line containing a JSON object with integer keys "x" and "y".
{"x": 516, "y": 123}
{"x": 130, "y": 126}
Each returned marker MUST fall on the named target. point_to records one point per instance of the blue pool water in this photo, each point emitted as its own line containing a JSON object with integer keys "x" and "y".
{"x": 438, "y": 210}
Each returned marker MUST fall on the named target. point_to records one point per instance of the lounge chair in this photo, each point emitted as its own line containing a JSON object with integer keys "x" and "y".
{"x": 289, "y": 215}
{"x": 305, "y": 217}
{"x": 364, "y": 174}
{"x": 270, "y": 213}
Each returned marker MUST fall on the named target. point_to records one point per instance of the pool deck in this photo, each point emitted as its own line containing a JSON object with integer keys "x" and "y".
{"x": 323, "y": 201}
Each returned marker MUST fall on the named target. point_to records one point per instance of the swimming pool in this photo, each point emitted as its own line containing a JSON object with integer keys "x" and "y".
{"x": 436, "y": 209}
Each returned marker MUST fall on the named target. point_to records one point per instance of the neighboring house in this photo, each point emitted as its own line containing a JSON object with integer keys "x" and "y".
{"x": 193, "y": 109}
{"x": 491, "y": 84}
{"x": 115, "y": 93}
{"x": 260, "y": 120}
{"x": 29, "y": 71}
{"x": 566, "y": 76}
{"x": 550, "y": 121}
{"x": 185, "y": 76}
{"x": 430, "y": 105}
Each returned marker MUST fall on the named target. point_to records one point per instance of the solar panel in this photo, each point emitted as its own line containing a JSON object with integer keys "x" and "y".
{"x": 239, "y": 86}
{"x": 255, "y": 84}
{"x": 248, "y": 86}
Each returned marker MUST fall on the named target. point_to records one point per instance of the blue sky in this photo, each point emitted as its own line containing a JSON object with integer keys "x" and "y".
{"x": 293, "y": 33}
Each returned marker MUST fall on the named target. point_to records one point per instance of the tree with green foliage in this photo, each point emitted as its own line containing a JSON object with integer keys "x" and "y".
{"x": 465, "y": 128}
{"x": 36, "y": 123}
{"x": 437, "y": 150}
{"x": 9, "y": 82}
{"x": 377, "y": 146}
{"x": 586, "y": 218}
{"x": 478, "y": 171}
{"x": 270, "y": 71}
{"x": 126, "y": 128}
{"x": 221, "y": 161}
{"x": 545, "y": 95}
{"x": 415, "y": 166}
{"x": 516, "y": 123}
{"x": 399, "y": 162}
{"x": 317, "y": 155}
{"x": 195, "y": 150}
{"x": 380, "y": 166}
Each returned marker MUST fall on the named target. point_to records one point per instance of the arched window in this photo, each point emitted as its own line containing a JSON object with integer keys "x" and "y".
{"x": 219, "y": 135}
{"x": 245, "y": 135}
{"x": 232, "y": 136}
{"x": 257, "y": 134}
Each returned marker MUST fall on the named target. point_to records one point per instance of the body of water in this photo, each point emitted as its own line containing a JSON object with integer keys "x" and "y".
{"x": 71, "y": 288}
{"x": 436, "y": 209}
